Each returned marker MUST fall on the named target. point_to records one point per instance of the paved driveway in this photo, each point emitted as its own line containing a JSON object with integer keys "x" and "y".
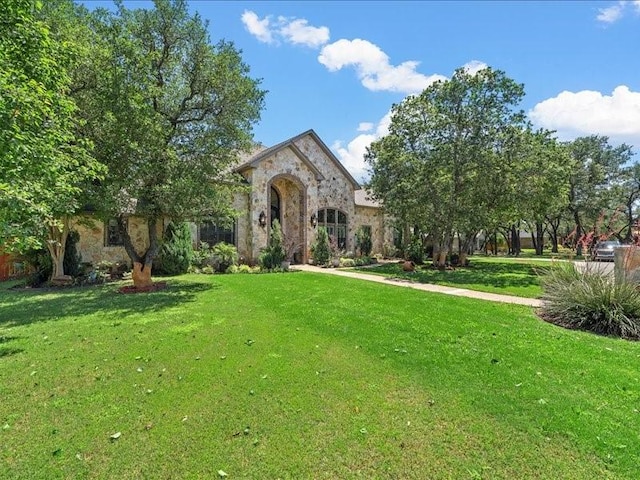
{"x": 602, "y": 267}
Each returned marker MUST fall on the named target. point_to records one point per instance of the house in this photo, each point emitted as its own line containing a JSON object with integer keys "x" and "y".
{"x": 299, "y": 181}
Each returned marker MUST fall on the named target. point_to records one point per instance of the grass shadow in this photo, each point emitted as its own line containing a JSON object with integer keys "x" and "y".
{"x": 7, "y": 351}
{"x": 26, "y": 306}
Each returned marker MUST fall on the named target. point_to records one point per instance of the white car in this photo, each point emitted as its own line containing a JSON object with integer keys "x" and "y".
{"x": 604, "y": 250}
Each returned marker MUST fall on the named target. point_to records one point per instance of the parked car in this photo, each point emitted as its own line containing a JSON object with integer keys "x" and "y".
{"x": 604, "y": 250}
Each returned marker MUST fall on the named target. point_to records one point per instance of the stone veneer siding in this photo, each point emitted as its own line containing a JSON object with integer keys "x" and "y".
{"x": 92, "y": 239}
{"x": 380, "y": 231}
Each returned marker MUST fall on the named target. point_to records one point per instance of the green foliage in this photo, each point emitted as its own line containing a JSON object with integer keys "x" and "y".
{"x": 591, "y": 300}
{"x": 72, "y": 258}
{"x": 224, "y": 256}
{"x": 595, "y": 168}
{"x": 243, "y": 269}
{"x": 321, "y": 248}
{"x": 201, "y": 255}
{"x": 40, "y": 261}
{"x": 389, "y": 250}
{"x": 274, "y": 254}
{"x": 176, "y": 253}
{"x": 445, "y": 164}
{"x": 415, "y": 250}
{"x": 44, "y": 161}
{"x": 363, "y": 241}
{"x": 168, "y": 111}
{"x": 347, "y": 262}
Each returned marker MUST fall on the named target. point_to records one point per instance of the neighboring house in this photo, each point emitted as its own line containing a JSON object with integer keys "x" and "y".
{"x": 299, "y": 182}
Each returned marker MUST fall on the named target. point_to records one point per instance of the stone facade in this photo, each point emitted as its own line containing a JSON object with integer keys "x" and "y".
{"x": 306, "y": 177}
{"x": 93, "y": 245}
{"x": 290, "y": 181}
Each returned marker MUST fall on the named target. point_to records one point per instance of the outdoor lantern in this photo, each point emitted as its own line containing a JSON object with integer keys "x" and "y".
{"x": 262, "y": 219}
{"x": 314, "y": 220}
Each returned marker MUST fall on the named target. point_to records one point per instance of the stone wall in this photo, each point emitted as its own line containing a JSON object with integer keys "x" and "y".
{"x": 381, "y": 231}
{"x": 92, "y": 245}
{"x": 296, "y": 184}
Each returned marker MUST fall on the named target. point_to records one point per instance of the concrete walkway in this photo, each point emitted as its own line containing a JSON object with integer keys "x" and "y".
{"x": 427, "y": 287}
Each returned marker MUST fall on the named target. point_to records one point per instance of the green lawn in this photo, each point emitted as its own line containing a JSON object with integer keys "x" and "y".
{"x": 508, "y": 276}
{"x": 306, "y": 376}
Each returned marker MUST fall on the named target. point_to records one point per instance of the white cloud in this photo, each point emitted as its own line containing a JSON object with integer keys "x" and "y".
{"x": 474, "y": 66}
{"x": 611, "y": 14}
{"x": 296, "y": 31}
{"x": 299, "y": 32}
{"x": 365, "y": 126}
{"x": 352, "y": 155}
{"x": 616, "y": 11}
{"x": 256, "y": 27}
{"x": 373, "y": 68}
{"x": 590, "y": 112}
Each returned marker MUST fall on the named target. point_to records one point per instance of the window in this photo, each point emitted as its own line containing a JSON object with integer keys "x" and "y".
{"x": 275, "y": 206}
{"x": 335, "y": 222}
{"x": 212, "y": 234}
{"x": 112, "y": 235}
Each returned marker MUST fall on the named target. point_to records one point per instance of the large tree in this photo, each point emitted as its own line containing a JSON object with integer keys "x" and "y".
{"x": 168, "y": 112}
{"x": 445, "y": 150}
{"x": 44, "y": 163}
{"x": 596, "y": 166}
{"x": 541, "y": 182}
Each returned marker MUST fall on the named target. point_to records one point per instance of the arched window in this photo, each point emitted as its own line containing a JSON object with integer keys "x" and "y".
{"x": 275, "y": 206}
{"x": 335, "y": 221}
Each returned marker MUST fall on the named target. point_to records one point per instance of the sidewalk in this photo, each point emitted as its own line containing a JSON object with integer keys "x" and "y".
{"x": 426, "y": 287}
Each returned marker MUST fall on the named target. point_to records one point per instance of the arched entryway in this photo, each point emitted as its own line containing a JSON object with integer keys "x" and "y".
{"x": 287, "y": 198}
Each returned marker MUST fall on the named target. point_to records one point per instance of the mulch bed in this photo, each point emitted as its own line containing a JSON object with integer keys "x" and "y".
{"x": 155, "y": 287}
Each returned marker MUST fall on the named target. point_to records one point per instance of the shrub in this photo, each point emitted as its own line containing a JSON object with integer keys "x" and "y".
{"x": 347, "y": 262}
{"x": 40, "y": 261}
{"x": 273, "y": 255}
{"x": 207, "y": 270}
{"x": 176, "y": 252}
{"x": 201, "y": 255}
{"x": 245, "y": 269}
{"x": 223, "y": 256}
{"x": 72, "y": 259}
{"x": 415, "y": 251}
{"x": 232, "y": 269}
{"x": 389, "y": 250}
{"x": 590, "y": 300}
{"x": 321, "y": 248}
{"x": 363, "y": 241}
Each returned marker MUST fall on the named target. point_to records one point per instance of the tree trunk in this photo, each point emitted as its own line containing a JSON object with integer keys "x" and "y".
{"x": 553, "y": 232}
{"x": 578, "y": 237}
{"x": 629, "y": 235}
{"x": 142, "y": 264}
{"x": 516, "y": 247}
{"x": 56, "y": 241}
{"x": 539, "y": 238}
{"x": 141, "y": 275}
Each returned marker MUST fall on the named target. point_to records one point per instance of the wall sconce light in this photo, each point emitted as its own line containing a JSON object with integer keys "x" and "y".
{"x": 262, "y": 220}
{"x": 314, "y": 220}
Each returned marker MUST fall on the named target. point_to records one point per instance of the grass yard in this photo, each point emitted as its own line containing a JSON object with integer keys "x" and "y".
{"x": 306, "y": 375}
{"x": 508, "y": 276}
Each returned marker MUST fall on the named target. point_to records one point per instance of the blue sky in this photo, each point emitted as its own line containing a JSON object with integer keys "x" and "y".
{"x": 339, "y": 66}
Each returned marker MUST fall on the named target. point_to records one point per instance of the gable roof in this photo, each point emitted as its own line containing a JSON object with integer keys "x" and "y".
{"x": 364, "y": 199}
{"x": 290, "y": 143}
